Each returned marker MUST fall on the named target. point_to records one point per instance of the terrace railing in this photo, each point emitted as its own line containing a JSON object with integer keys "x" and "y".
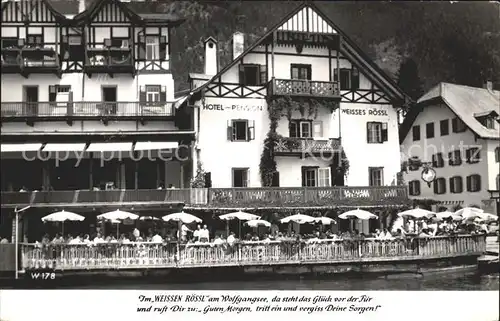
{"x": 149, "y": 255}
{"x": 307, "y": 88}
{"x": 221, "y": 197}
{"x": 86, "y": 109}
{"x": 308, "y": 146}
{"x": 307, "y": 196}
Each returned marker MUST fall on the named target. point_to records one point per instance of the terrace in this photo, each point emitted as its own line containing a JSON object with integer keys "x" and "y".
{"x": 304, "y": 88}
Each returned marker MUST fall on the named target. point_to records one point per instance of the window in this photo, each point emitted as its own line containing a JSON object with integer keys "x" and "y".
{"x": 416, "y": 133}
{"x": 458, "y": 126}
{"x": 10, "y": 43}
{"x": 429, "y": 130}
{"x": 376, "y": 176}
{"x": 349, "y": 78}
{"x": 376, "y": 132}
{"x": 300, "y": 128}
{"x": 152, "y": 48}
{"x": 455, "y": 158}
{"x": 437, "y": 160}
{"x": 240, "y": 177}
{"x": 497, "y": 155}
{"x": 439, "y": 186}
{"x": 473, "y": 183}
{"x": 487, "y": 121}
{"x": 444, "y": 127}
{"x": 252, "y": 74}
{"x": 152, "y": 94}
{"x": 60, "y": 93}
{"x": 414, "y": 188}
{"x": 456, "y": 185}
{"x": 316, "y": 177}
{"x": 302, "y": 72}
{"x": 34, "y": 39}
{"x": 472, "y": 155}
{"x": 240, "y": 130}
{"x": 498, "y": 183}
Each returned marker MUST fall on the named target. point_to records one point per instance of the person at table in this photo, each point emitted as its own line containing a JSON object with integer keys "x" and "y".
{"x": 156, "y": 238}
{"x": 58, "y": 239}
{"x": 182, "y": 233}
{"x": 98, "y": 239}
{"x": 76, "y": 240}
{"x": 196, "y": 233}
{"x": 4, "y": 241}
{"x": 218, "y": 240}
{"x": 204, "y": 234}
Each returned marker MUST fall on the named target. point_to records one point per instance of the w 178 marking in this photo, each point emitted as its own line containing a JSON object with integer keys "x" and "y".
{"x": 43, "y": 276}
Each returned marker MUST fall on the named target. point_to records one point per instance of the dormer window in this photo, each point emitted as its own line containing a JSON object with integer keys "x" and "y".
{"x": 487, "y": 119}
{"x": 488, "y": 122}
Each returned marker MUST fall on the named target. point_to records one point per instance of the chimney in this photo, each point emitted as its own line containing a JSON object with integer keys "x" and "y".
{"x": 238, "y": 44}
{"x": 81, "y": 6}
{"x": 489, "y": 85}
{"x": 211, "y": 63}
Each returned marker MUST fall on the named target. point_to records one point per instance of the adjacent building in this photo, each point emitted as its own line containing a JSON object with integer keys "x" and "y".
{"x": 455, "y": 130}
{"x": 88, "y": 112}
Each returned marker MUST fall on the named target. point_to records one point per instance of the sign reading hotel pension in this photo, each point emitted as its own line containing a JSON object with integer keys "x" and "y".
{"x": 220, "y": 107}
{"x": 364, "y": 112}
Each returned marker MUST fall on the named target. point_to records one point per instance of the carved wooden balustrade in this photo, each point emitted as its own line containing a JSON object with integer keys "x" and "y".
{"x": 307, "y": 196}
{"x": 308, "y": 147}
{"x": 307, "y": 88}
{"x": 149, "y": 255}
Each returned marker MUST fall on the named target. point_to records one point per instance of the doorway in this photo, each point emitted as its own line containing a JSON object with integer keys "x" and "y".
{"x": 109, "y": 98}
{"x": 30, "y": 95}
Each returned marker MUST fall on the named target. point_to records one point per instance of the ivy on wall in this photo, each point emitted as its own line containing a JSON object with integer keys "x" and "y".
{"x": 199, "y": 180}
{"x": 285, "y": 106}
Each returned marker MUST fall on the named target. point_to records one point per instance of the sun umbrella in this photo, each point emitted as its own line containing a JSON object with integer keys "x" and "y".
{"x": 445, "y": 214}
{"x": 298, "y": 218}
{"x": 469, "y": 212}
{"x": 118, "y": 215}
{"x": 181, "y": 217}
{"x": 325, "y": 220}
{"x": 62, "y": 216}
{"x": 487, "y": 217}
{"x": 357, "y": 214}
{"x": 241, "y": 216}
{"x": 417, "y": 213}
{"x": 148, "y": 218}
{"x": 257, "y": 223}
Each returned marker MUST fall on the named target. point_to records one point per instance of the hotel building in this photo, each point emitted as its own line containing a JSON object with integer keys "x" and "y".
{"x": 317, "y": 98}
{"x": 455, "y": 130}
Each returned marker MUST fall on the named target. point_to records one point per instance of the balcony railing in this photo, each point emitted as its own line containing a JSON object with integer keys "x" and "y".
{"x": 92, "y": 197}
{"x": 306, "y": 88}
{"x": 306, "y": 196}
{"x": 85, "y": 109}
{"x": 30, "y": 59}
{"x": 109, "y": 59}
{"x": 222, "y": 197}
{"x": 293, "y": 146}
{"x": 169, "y": 255}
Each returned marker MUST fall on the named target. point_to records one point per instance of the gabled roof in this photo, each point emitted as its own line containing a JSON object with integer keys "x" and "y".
{"x": 96, "y": 6}
{"x": 48, "y": 3}
{"x": 348, "y": 48}
{"x": 464, "y": 101}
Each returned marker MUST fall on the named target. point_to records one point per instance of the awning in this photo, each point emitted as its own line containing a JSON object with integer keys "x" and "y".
{"x": 155, "y": 145}
{"x": 73, "y": 147}
{"x": 451, "y": 202}
{"x": 110, "y": 147}
{"x": 33, "y": 147}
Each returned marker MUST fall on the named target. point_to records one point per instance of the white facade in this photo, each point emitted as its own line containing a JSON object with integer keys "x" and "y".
{"x": 225, "y": 99}
{"x": 487, "y": 167}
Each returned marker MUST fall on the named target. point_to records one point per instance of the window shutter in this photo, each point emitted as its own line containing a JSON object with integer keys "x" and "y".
{"x": 384, "y": 132}
{"x": 335, "y": 75}
{"x": 436, "y": 186}
{"x": 276, "y": 179}
{"x": 208, "y": 179}
{"x": 163, "y": 94}
{"x": 263, "y": 74}
{"x": 242, "y": 74}
{"x": 452, "y": 185}
{"x": 52, "y": 93}
{"x": 251, "y": 130}
{"x": 454, "y": 124}
{"x": 355, "y": 78}
{"x": 163, "y": 48}
{"x": 317, "y": 129}
{"x": 292, "y": 126}
{"x": 468, "y": 182}
{"x": 303, "y": 169}
{"x": 368, "y": 132}
{"x": 142, "y": 94}
{"x": 478, "y": 183}
{"x": 417, "y": 187}
{"x": 229, "y": 130}
{"x": 142, "y": 47}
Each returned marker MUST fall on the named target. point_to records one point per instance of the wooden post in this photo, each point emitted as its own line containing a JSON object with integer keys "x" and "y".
{"x": 272, "y": 54}
{"x": 91, "y": 169}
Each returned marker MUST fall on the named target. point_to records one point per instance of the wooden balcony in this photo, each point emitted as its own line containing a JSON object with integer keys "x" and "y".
{"x": 304, "y": 88}
{"x": 306, "y": 147}
{"x": 116, "y": 256}
{"x": 95, "y": 198}
{"x": 31, "y": 60}
{"x": 109, "y": 60}
{"x": 276, "y": 197}
{"x": 39, "y": 111}
{"x": 271, "y": 197}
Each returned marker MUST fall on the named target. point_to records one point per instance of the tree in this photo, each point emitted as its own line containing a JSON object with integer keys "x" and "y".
{"x": 408, "y": 79}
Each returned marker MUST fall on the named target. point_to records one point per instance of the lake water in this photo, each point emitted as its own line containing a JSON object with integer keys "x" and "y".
{"x": 428, "y": 282}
